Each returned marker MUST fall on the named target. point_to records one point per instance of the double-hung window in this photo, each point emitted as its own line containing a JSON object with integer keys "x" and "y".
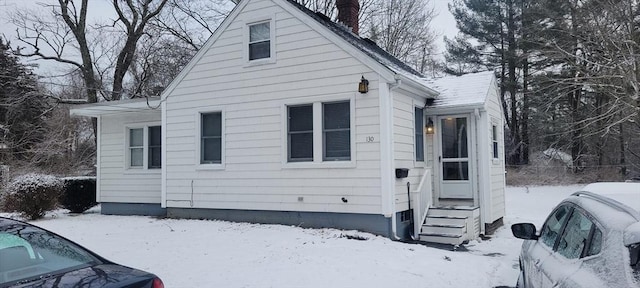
{"x": 155, "y": 147}
{"x": 300, "y": 133}
{"x": 136, "y": 148}
{"x": 336, "y": 131}
{"x": 320, "y": 132}
{"x": 144, "y": 146}
{"x": 418, "y": 134}
{"x": 259, "y": 41}
{"x": 494, "y": 141}
{"x": 211, "y": 138}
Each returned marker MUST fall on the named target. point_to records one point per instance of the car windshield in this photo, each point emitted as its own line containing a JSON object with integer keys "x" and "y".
{"x": 27, "y": 252}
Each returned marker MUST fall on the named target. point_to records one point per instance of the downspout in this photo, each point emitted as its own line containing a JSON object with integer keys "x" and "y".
{"x": 394, "y": 229}
{"x": 479, "y": 160}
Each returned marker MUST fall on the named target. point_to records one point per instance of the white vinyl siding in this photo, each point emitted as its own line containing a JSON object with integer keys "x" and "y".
{"x": 119, "y": 183}
{"x": 257, "y": 174}
{"x": 497, "y": 168}
{"x": 404, "y": 146}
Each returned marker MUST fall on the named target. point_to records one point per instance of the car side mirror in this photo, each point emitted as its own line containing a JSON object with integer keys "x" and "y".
{"x": 526, "y": 231}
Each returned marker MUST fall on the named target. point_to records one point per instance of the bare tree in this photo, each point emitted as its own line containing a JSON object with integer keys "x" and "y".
{"x": 50, "y": 37}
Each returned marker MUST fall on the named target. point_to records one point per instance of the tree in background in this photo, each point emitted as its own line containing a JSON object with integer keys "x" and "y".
{"x": 491, "y": 38}
{"x": 23, "y": 108}
{"x": 66, "y": 32}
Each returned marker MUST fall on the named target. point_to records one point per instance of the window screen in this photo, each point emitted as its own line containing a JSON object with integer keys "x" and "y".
{"x": 300, "y": 133}
{"x": 494, "y": 138}
{"x": 259, "y": 41}
{"x": 211, "y": 138}
{"x": 419, "y": 138}
{"x": 155, "y": 145}
{"x": 136, "y": 148}
{"x": 336, "y": 125}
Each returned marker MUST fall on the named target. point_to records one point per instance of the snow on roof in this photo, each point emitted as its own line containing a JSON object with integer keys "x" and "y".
{"x": 466, "y": 90}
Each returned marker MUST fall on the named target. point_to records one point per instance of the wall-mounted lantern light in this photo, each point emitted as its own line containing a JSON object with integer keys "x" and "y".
{"x": 363, "y": 86}
{"x": 428, "y": 129}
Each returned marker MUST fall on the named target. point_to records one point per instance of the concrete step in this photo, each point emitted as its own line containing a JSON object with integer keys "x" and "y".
{"x": 446, "y": 220}
{"x": 453, "y": 239}
{"x": 443, "y": 229}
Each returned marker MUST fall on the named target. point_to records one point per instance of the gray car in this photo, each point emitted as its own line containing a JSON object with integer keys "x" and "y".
{"x": 588, "y": 240}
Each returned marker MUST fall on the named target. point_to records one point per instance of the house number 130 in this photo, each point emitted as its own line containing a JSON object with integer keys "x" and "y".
{"x": 370, "y": 139}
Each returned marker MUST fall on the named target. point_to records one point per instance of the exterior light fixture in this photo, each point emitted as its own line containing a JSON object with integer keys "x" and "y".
{"x": 363, "y": 86}
{"x": 429, "y": 128}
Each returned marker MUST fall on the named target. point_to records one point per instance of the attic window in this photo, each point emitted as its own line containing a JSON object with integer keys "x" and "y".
{"x": 259, "y": 41}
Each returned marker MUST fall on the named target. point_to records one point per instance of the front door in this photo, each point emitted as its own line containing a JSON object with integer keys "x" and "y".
{"x": 454, "y": 159}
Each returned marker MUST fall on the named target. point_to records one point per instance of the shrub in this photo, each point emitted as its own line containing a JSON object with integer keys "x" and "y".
{"x": 79, "y": 194}
{"x": 33, "y": 194}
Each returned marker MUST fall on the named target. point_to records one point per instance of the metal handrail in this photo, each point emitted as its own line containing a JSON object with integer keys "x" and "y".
{"x": 611, "y": 202}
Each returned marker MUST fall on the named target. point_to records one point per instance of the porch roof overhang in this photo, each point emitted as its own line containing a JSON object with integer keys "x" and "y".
{"x": 117, "y": 107}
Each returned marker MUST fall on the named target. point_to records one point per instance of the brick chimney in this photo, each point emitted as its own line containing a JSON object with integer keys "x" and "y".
{"x": 348, "y": 13}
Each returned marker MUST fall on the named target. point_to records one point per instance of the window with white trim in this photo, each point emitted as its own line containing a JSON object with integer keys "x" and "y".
{"x": 494, "y": 141}
{"x": 319, "y": 131}
{"x": 336, "y": 131}
{"x": 155, "y": 147}
{"x": 260, "y": 41}
{"x": 136, "y": 147}
{"x": 144, "y": 147}
{"x": 418, "y": 133}
{"x": 211, "y": 138}
{"x": 300, "y": 133}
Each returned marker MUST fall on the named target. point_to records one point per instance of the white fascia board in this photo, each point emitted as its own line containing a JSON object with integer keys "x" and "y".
{"x": 116, "y": 107}
{"x": 203, "y": 50}
{"x": 384, "y": 72}
{"x": 411, "y": 86}
{"x": 462, "y": 109}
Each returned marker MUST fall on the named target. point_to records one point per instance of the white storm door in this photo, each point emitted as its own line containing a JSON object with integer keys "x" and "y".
{"x": 454, "y": 159}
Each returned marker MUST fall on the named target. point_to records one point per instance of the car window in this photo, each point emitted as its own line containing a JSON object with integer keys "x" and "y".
{"x": 575, "y": 236}
{"x": 596, "y": 242}
{"x": 29, "y": 252}
{"x": 551, "y": 228}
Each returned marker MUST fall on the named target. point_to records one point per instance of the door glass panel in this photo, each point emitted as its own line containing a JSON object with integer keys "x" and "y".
{"x": 454, "y": 138}
{"x": 551, "y": 228}
{"x": 575, "y": 235}
{"x": 455, "y": 170}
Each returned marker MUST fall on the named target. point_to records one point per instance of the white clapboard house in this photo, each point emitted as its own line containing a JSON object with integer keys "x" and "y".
{"x": 287, "y": 117}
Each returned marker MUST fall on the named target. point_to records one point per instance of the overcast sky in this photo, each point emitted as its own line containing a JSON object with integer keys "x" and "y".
{"x": 444, "y": 23}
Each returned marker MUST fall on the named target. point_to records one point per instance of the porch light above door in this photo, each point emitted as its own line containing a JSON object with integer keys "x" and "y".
{"x": 428, "y": 129}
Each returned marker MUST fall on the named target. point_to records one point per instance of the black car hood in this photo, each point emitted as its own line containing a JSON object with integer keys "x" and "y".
{"x": 103, "y": 275}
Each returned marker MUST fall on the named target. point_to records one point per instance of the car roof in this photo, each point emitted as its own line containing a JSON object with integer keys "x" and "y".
{"x": 615, "y": 205}
{"x": 624, "y": 192}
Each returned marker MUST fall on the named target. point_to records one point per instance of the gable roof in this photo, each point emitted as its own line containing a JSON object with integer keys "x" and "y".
{"x": 363, "y": 44}
{"x": 370, "y": 49}
{"x": 465, "y": 90}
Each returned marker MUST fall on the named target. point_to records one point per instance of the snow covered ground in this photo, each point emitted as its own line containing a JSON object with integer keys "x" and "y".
{"x": 200, "y": 253}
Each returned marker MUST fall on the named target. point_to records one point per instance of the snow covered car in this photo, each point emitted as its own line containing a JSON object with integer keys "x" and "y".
{"x": 588, "y": 240}
{"x": 34, "y": 257}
